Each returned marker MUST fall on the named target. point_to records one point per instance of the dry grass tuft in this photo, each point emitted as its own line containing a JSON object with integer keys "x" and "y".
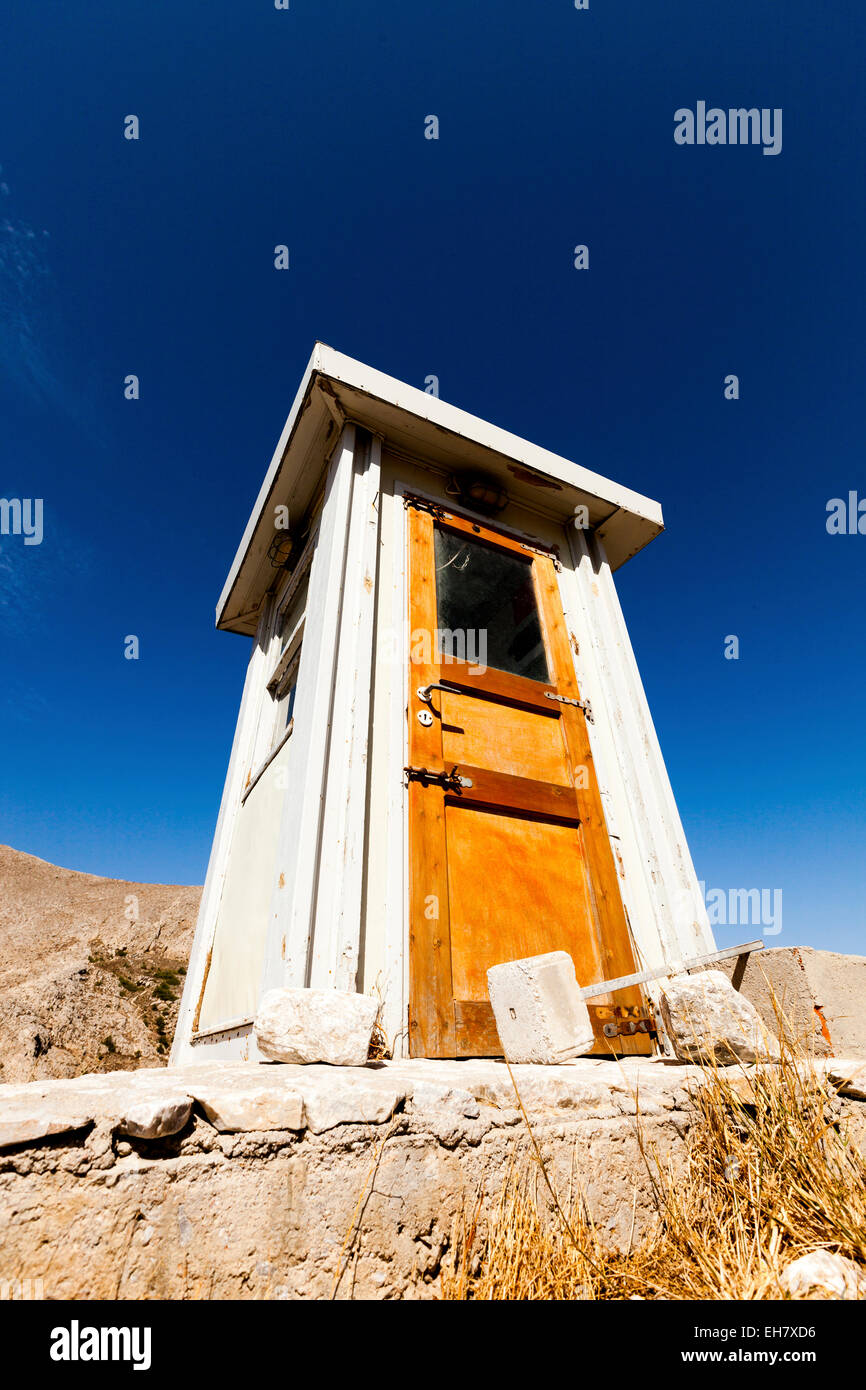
{"x": 380, "y": 1049}
{"x": 770, "y": 1175}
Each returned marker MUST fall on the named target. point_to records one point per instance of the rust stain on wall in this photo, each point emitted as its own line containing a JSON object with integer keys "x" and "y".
{"x": 524, "y": 475}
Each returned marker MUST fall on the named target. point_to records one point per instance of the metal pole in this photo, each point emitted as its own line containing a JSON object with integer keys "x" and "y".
{"x": 677, "y": 968}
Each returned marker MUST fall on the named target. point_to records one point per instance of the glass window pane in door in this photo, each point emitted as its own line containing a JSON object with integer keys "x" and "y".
{"x": 487, "y": 595}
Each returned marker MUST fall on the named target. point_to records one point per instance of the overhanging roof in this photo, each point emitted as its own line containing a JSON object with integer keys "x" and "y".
{"x": 423, "y": 426}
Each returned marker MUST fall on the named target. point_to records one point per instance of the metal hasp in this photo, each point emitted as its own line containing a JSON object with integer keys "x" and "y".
{"x": 567, "y": 700}
{"x": 449, "y": 780}
{"x": 623, "y": 1020}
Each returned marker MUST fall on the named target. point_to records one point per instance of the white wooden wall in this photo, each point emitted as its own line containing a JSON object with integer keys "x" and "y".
{"x": 240, "y": 761}
{"x": 313, "y": 887}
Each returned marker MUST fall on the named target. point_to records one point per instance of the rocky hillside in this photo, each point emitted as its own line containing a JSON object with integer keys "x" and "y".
{"x": 91, "y": 969}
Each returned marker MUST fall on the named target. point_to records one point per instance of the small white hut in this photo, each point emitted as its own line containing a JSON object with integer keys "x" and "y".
{"x": 444, "y": 756}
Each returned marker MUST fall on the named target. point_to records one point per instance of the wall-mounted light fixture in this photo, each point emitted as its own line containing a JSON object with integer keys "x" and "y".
{"x": 280, "y": 550}
{"x": 479, "y": 491}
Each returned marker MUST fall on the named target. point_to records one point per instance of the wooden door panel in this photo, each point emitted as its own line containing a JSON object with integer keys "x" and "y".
{"x": 554, "y": 800}
{"x": 515, "y": 859}
{"x": 507, "y": 738}
{"x": 475, "y": 1032}
{"x": 501, "y": 907}
{"x": 495, "y": 684}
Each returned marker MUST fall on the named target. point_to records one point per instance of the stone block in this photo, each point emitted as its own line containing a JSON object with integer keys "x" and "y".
{"x": 238, "y": 1109}
{"x": 824, "y": 1273}
{"x": 539, "y": 1013}
{"x": 819, "y": 995}
{"x": 28, "y": 1126}
{"x": 316, "y": 1025}
{"x": 706, "y": 1020}
{"x": 848, "y": 1076}
{"x": 156, "y": 1116}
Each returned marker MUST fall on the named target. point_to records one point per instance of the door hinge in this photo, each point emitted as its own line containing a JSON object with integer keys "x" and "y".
{"x": 567, "y": 700}
{"x": 420, "y": 504}
{"x": 550, "y": 555}
{"x": 451, "y": 781}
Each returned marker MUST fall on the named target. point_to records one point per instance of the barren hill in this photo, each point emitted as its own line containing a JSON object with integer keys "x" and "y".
{"x": 91, "y": 969}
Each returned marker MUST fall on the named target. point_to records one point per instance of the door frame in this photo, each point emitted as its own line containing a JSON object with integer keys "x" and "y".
{"x": 437, "y": 1033}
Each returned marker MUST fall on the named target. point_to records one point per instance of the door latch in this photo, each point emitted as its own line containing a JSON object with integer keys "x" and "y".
{"x": 623, "y": 1020}
{"x": 451, "y": 781}
{"x": 578, "y": 704}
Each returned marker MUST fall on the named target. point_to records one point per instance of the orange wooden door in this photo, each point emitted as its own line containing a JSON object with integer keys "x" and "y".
{"x": 509, "y": 852}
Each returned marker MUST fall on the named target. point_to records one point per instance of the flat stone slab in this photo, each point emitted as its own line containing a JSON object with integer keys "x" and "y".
{"x": 239, "y": 1097}
{"x": 255, "y": 1096}
{"x": 29, "y": 1125}
{"x": 256, "y": 1106}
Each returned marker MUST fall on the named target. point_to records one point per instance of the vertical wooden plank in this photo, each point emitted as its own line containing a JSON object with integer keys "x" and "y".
{"x": 392, "y": 690}
{"x": 337, "y": 912}
{"x": 288, "y": 943}
{"x": 425, "y": 742}
{"x": 616, "y": 735}
{"x": 681, "y": 914}
{"x": 431, "y": 1007}
{"x": 431, "y": 1003}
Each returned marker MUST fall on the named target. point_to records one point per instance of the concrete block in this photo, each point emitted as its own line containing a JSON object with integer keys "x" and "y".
{"x": 838, "y": 986}
{"x": 539, "y": 1013}
{"x": 820, "y": 995}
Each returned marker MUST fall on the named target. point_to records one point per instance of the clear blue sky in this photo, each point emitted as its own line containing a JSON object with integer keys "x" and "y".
{"x": 452, "y": 257}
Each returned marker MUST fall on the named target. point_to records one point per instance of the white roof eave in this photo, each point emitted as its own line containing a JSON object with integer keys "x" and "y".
{"x": 632, "y": 520}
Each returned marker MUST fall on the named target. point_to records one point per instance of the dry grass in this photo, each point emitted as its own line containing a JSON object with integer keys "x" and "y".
{"x": 770, "y": 1175}
{"x": 380, "y": 1050}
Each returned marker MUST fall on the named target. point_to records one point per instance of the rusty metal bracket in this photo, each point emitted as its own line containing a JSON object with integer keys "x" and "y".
{"x": 623, "y": 1020}
{"x": 420, "y": 504}
{"x": 567, "y": 700}
{"x": 451, "y": 781}
{"x": 552, "y": 555}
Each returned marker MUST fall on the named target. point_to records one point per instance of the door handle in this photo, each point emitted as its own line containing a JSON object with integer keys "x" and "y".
{"x": 425, "y": 692}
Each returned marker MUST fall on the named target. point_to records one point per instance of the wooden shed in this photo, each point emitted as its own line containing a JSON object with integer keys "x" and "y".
{"x": 444, "y": 756}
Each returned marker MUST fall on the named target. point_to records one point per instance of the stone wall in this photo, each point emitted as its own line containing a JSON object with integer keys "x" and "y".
{"x": 363, "y": 1189}
{"x": 239, "y": 1180}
